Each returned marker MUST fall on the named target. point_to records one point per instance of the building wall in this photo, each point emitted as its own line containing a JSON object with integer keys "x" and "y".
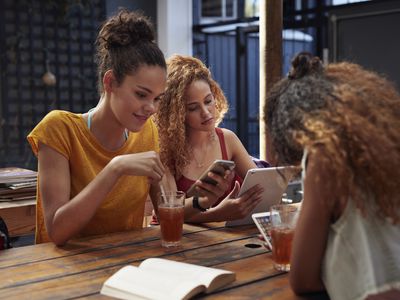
{"x": 36, "y": 37}
{"x": 148, "y": 7}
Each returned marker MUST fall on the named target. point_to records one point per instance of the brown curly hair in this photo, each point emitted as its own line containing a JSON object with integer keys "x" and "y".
{"x": 125, "y": 42}
{"x": 354, "y": 115}
{"x": 175, "y": 152}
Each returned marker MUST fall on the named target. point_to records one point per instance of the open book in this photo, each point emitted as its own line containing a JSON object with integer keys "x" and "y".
{"x": 158, "y": 278}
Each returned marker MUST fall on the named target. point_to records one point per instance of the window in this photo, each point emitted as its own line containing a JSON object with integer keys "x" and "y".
{"x": 251, "y": 8}
{"x": 340, "y": 2}
{"x": 218, "y": 10}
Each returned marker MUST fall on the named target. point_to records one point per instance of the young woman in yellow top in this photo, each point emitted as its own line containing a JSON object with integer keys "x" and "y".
{"x": 96, "y": 169}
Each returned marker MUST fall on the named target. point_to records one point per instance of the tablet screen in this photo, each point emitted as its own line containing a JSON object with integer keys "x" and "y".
{"x": 274, "y": 181}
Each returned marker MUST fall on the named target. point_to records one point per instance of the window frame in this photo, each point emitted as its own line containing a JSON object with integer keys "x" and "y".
{"x": 223, "y": 17}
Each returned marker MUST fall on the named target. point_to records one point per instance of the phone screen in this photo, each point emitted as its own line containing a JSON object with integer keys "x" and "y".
{"x": 219, "y": 167}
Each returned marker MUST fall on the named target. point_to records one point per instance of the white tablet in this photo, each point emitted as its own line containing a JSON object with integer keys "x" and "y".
{"x": 274, "y": 180}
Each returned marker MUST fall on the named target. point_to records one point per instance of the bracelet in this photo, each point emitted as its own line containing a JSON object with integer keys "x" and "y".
{"x": 196, "y": 204}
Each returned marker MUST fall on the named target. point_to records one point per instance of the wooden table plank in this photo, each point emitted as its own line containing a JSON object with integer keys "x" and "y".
{"x": 82, "y": 275}
{"x": 79, "y": 269}
{"x": 49, "y": 251}
{"x": 256, "y": 279}
{"x": 118, "y": 256}
{"x": 275, "y": 288}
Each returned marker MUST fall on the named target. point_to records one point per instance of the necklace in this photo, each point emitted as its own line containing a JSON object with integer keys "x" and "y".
{"x": 201, "y": 163}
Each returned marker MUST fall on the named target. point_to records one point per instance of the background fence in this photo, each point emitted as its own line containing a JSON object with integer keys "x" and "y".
{"x": 37, "y": 37}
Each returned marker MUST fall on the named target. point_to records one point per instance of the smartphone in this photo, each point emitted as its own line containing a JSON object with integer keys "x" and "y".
{"x": 263, "y": 223}
{"x": 219, "y": 167}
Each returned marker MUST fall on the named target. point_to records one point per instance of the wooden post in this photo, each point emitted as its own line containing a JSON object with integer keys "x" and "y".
{"x": 271, "y": 26}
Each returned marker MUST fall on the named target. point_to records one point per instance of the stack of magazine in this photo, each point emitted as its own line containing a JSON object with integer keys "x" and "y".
{"x": 17, "y": 184}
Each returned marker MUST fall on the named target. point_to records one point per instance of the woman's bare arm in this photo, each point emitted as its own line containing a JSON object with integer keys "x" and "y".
{"x": 238, "y": 153}
{"x": 65, "y": 217}
{"x": 312, "y": 230}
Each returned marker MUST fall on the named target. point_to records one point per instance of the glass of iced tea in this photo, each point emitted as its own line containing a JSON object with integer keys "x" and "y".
{"x": 170, "y": 215}
{"x": 283, "y": 222}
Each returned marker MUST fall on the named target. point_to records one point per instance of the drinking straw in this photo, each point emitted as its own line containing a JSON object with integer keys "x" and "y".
{"x": 162, "y": 188}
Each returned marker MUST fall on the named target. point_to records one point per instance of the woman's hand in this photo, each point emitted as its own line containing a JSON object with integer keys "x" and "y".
{"x": 234, "y": 208}
{"x": 140, "y": 164}
{"x": 215, "y": 191}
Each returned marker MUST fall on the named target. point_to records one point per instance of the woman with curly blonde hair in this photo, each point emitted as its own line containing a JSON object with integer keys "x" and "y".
{"x": 193, "y": 105}
{"x": 343, "y": 123}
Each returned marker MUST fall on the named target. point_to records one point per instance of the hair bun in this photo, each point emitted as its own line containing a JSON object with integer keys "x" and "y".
{"x": 305, "y": 64}
{"x": 126, "y": 29}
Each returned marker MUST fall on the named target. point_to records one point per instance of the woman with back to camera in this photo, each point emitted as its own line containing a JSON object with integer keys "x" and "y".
{"x": 96, "y": 169}
{"x": 343, "y": 122}
{"x": 192, "y": 107}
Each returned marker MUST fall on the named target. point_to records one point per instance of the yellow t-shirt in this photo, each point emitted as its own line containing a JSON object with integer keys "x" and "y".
{"x": 68, "y": 134}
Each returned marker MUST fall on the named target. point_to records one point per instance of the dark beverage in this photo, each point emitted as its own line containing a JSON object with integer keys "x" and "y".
{"x": 171, "y": 222}
{"x": 282, "y": 245}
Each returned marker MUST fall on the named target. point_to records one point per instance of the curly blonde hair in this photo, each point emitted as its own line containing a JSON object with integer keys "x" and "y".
{"x": 354, "y": 115}
{"x": 175, "y": 152}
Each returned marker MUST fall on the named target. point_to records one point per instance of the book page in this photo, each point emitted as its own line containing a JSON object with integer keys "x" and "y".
{"x": 131, "y": 282}
{"x": 12, "y": 174}
{"x": 211, "y": 278}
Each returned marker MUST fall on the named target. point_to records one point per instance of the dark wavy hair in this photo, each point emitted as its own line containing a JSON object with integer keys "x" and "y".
{"x": 353, "y": 114}
{"x": 125, "y": 42}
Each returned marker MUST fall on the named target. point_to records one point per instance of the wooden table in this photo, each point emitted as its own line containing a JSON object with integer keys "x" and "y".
{"x": 79, "y": 269}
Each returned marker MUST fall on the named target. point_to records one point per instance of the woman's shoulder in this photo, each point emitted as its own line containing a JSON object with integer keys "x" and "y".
{"x": 58, "y": 124}
{"x": 56, "y": 129}
{"x": 232, "y": 143}
{"x": 60, "y": 116}
{"x": 230, "y": 137}
{"x": 226, "y": 132}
